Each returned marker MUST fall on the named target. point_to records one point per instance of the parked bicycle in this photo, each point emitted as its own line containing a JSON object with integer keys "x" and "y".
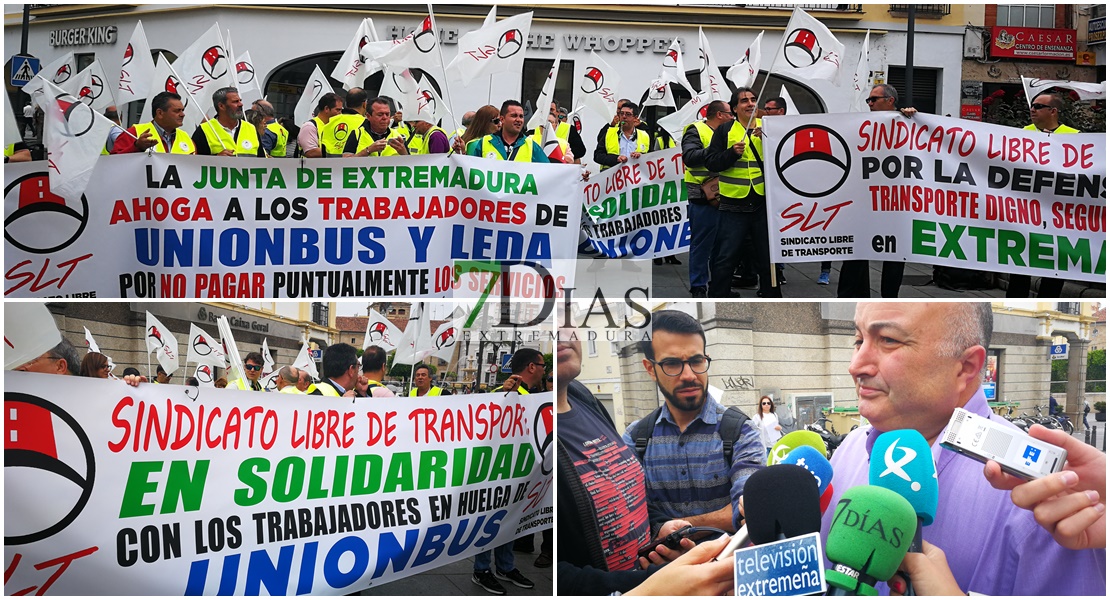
{"x": 1057, "y": 421}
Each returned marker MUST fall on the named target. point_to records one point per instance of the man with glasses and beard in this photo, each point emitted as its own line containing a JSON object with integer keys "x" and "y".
{"x": 690, "y": 473}
{"x": 228, "y": 134}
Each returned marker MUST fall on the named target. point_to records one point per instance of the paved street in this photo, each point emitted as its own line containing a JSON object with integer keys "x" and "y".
{"x": 673, "y": 281}
{"x": 454, "y": 580}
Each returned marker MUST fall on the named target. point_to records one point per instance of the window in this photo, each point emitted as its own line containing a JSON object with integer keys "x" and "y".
{"x": 1068, "y": 308}
{"x": 320, "y": 313}
{"x": 613, "y": 348}
{"x": 1027, "y": 15}
{"x": 592, "y": 347}
{"x": 535, "y": 74}
{"x": 925, "y": 88}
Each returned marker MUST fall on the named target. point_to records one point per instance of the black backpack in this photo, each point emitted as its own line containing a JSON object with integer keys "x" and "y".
{"x": 732, "y": 421}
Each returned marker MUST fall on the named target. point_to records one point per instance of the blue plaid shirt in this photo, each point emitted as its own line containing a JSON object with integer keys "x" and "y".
{"x": 686, "y": 471}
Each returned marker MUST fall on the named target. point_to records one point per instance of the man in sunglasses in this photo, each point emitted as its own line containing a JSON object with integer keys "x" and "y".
{"x": 62, "y": 359}
{"x": 690, "y": 474}
{"x": 855, "y": 275}
{"x": 1045, "y": 114}
{"x": 252, "y": 374}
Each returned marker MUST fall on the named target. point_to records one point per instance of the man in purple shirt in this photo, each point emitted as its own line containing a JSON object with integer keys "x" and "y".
{"x": 913, "y": 365}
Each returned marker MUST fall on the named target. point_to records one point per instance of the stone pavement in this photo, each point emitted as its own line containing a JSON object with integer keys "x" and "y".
{"x": 673, "y": 281}
{"x": 454, "y": 580}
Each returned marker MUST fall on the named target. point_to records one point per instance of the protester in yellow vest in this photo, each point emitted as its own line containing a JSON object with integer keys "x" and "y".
{"x": 305, "y": 383}
{"x": 428, "y": 139}
{"x": 624, "y": 141}
{"x": 529, "y": 370}
{"x": 374, "y": 137}
{"x": 228, "y": 134}
{"x": 510, "y": 143}
{"x": 252, "y": 374}
{"x": 1044, "y": 111}
{"x": 275, "y": 137}
{"x": 422, "y": 382}
{"x": 736, "y": 153}
{"x": 345, "y": 126}
{"x": 311, "y": 139}
{"x": 373, "y": 372}
{"x": 701, "y": 210}
{"x": 341, "y": 373}
{"x": 163, "y": 134}
{"x": 17, "y": 152}
{"x": 287, "y": 379}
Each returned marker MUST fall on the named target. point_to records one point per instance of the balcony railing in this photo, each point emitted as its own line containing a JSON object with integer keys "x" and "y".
{"x": 808, "y": 7}
{"x": 923, "y": 10}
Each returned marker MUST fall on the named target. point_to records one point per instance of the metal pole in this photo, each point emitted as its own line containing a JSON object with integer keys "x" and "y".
{"x": 911, "y": 13}
{"x": 26, "y": 28}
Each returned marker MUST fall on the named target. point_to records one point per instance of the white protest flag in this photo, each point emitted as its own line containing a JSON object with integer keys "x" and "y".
{"x": 380, "y": 332}
{"x": 673, "y": 70}
{"x": 711, "y": 79}
{"x": 206, "y": 375}
{"x": 445, "y": 338}
{"x": 676, "y": 122}
{"x": 659, "y": 94}
{"x": 791, "y": 109}
{"x": 74, "y": 135}
{"x": 160, "y": 341}
{"x": 418, "y": 50}
{"x": 57, "y": 72}
{"x": 249, "y": 88}
{"x": 316, "y": 86}
{"x": 429, "y": 106}
{"x": 599, "y": 86}
{"x": 205, "y": 67}
{"x": 401, "y": 87}
{"x": 554, "y": 148}
{"x": 136, "y": 72}
{"x": 166, "y": 79}
{"x": 269, "y": 373}
{"x": 91, "y": 87}
{"x": 808, "y": 50}
{"x": 12, "y": 134}
{"x": 305, "y": 362}
{"x": 746, "y": 69}
{"x": 860, "y": 77}
{"x": 543, "y": 102}
{"x": 235, "y": 370}
{"x": 497, "y": 47}
{"x": 204, "y": 349}
{"x": 231, "y": 59}
{"x": 416, "y": 341}
{"x": 1087, "y": 91}
{"x": 29, "y": 332}
{"x": 90, "y": 342}
{"x": 353, "y": 68}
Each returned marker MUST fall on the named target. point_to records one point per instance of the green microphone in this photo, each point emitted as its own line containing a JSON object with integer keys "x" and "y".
{"x": 870, "y": 533}
{"x": 792, "y": 440}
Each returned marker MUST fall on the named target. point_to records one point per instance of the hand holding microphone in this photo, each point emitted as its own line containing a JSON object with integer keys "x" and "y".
{"x": 695, "y": 573}
{"x": 930, "y": 573}
{"x": 661, "y": 553}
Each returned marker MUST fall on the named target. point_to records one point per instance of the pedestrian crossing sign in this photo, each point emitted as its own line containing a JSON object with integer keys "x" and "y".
{"x": 24, "y": 69}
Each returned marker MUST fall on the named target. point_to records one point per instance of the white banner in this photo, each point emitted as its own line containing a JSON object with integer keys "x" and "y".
{"x": 213, "y": 227}
{"x": 936, "y": 190}
{"x": 172, "y": 490}
{"x": 638, "y": 209}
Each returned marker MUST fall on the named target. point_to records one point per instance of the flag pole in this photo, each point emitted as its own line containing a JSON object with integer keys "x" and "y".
{"x": 774, "y": 59}
{"x": 442, "y": 66}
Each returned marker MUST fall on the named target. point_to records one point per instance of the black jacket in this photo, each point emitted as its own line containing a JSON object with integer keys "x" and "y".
{"x": 582, "y": 570}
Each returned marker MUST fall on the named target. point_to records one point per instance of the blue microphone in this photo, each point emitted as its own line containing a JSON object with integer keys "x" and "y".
{"x": 813, "y": 461}
{"x": 902, "y": 462}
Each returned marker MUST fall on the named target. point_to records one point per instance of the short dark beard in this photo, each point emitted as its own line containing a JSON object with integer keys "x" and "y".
{"x": 690, "y": 407}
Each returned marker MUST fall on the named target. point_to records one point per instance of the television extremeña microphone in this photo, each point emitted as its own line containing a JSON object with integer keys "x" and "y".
{"x": 812, "y": 460}
{"x": 869, "y": 537}
{"x": 780, "y": 502}
{"x": 792, "y": 440}
{"x": 902, "y": 462}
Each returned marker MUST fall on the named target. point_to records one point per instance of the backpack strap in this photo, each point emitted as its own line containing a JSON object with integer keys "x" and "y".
{"x": 731, "y": 423}
{"x": 643, "y": 431}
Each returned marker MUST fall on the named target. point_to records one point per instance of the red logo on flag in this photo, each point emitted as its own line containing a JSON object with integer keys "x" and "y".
{"x": 57, "y": 224}
{"x": 813, "y": 161}
{"x": 511, "y": 42}
{"x": 802, "y": 49}
{"x": 214, "y": 62}
{"x": 128, "y": 54}
{"x": 593, "y": 80}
